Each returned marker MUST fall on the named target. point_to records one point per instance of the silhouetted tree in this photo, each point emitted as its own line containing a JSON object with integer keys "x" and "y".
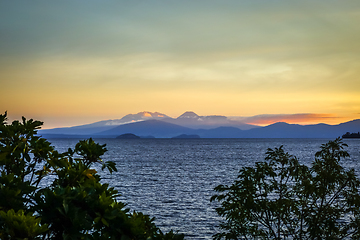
{"x": 282, "y": 199}
{"x": 74, "y": 205}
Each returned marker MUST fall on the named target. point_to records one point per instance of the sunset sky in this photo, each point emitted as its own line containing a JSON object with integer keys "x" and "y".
{"x": 76, "y": 62}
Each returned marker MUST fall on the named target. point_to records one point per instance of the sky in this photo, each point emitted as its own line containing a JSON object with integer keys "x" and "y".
{"x": 76, "y": 62}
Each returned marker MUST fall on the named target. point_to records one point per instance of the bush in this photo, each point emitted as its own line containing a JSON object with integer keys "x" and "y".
{"x": 282, "y": 199}
{"x": 75, "y": 205}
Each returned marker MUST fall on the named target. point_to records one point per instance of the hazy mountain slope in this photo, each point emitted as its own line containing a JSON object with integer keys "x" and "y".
{"x": 104, "y": 125}
{"x": 278, "y": 130}
{"x": 78, "y": 130}
{"x": 284, "y": 130}
{"x": 154, "y": 128}
{"x": 220, "y": 132}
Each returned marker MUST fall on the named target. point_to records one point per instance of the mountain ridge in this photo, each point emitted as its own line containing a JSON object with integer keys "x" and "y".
{"x": 195, "y": 122}
{"x": 163, "y": 129}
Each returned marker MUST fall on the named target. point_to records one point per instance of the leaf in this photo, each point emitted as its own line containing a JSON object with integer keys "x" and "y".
{"x": 66, "y": 207}
{"x": 90, "y": 173}
{"x": 104, "y": 222}
{"x": 110, "y": 165}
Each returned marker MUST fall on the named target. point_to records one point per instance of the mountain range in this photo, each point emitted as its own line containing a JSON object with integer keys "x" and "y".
{"x": 159, "y": 125}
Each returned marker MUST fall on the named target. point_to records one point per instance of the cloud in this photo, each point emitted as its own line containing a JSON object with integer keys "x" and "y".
{"x": 178, "y": 27}
{"x": 231, "y": 57}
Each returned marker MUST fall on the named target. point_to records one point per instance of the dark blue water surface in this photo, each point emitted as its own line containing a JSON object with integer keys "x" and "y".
{"x": 173, "y": 179}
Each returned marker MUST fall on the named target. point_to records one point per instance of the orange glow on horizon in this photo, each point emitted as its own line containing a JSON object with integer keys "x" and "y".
{"x": 301, "y": 119}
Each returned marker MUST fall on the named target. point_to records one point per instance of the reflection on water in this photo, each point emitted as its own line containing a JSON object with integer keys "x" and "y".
{"x": 173, "y": 179}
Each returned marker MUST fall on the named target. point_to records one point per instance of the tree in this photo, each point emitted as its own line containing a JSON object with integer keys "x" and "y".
{"x": 282, "y": 199}
{"x": 74, "y": 205}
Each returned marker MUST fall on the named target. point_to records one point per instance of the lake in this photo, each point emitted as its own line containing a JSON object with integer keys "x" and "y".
{"x": 173, "y": 179}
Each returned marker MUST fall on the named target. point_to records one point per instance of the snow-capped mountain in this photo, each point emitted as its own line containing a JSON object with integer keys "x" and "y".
{"x": 188, "y": 119}
{"x": 192, "y": 120}
{"x": 141, "y": 116}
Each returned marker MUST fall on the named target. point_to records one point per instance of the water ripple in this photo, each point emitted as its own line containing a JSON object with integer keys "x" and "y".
{"x": 173, "y": 180}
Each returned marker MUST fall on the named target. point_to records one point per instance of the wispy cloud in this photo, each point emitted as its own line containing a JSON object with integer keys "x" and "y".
{"x": 234, "y": 57}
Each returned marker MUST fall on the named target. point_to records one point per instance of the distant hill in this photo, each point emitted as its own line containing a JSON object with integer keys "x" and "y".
{"x": 186, "y": 136}
{"x": 128, "y": 136}
{"x": 351, "y": 135}
{"x": 285, "y": 130}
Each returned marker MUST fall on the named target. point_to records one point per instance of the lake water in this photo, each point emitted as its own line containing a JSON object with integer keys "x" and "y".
{"x": 173, "y": 179}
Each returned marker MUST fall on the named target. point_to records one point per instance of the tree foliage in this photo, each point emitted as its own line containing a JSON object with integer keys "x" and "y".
{"x": 283, "y": 199}
{"x": 74, "y": 205}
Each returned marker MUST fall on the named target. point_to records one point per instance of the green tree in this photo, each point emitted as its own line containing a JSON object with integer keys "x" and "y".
{"x": 282, "y": 199}
{"x": 74, "y": 205}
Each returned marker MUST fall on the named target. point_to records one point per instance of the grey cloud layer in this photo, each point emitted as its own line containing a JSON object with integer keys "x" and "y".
{"x": 108, "y": 28}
